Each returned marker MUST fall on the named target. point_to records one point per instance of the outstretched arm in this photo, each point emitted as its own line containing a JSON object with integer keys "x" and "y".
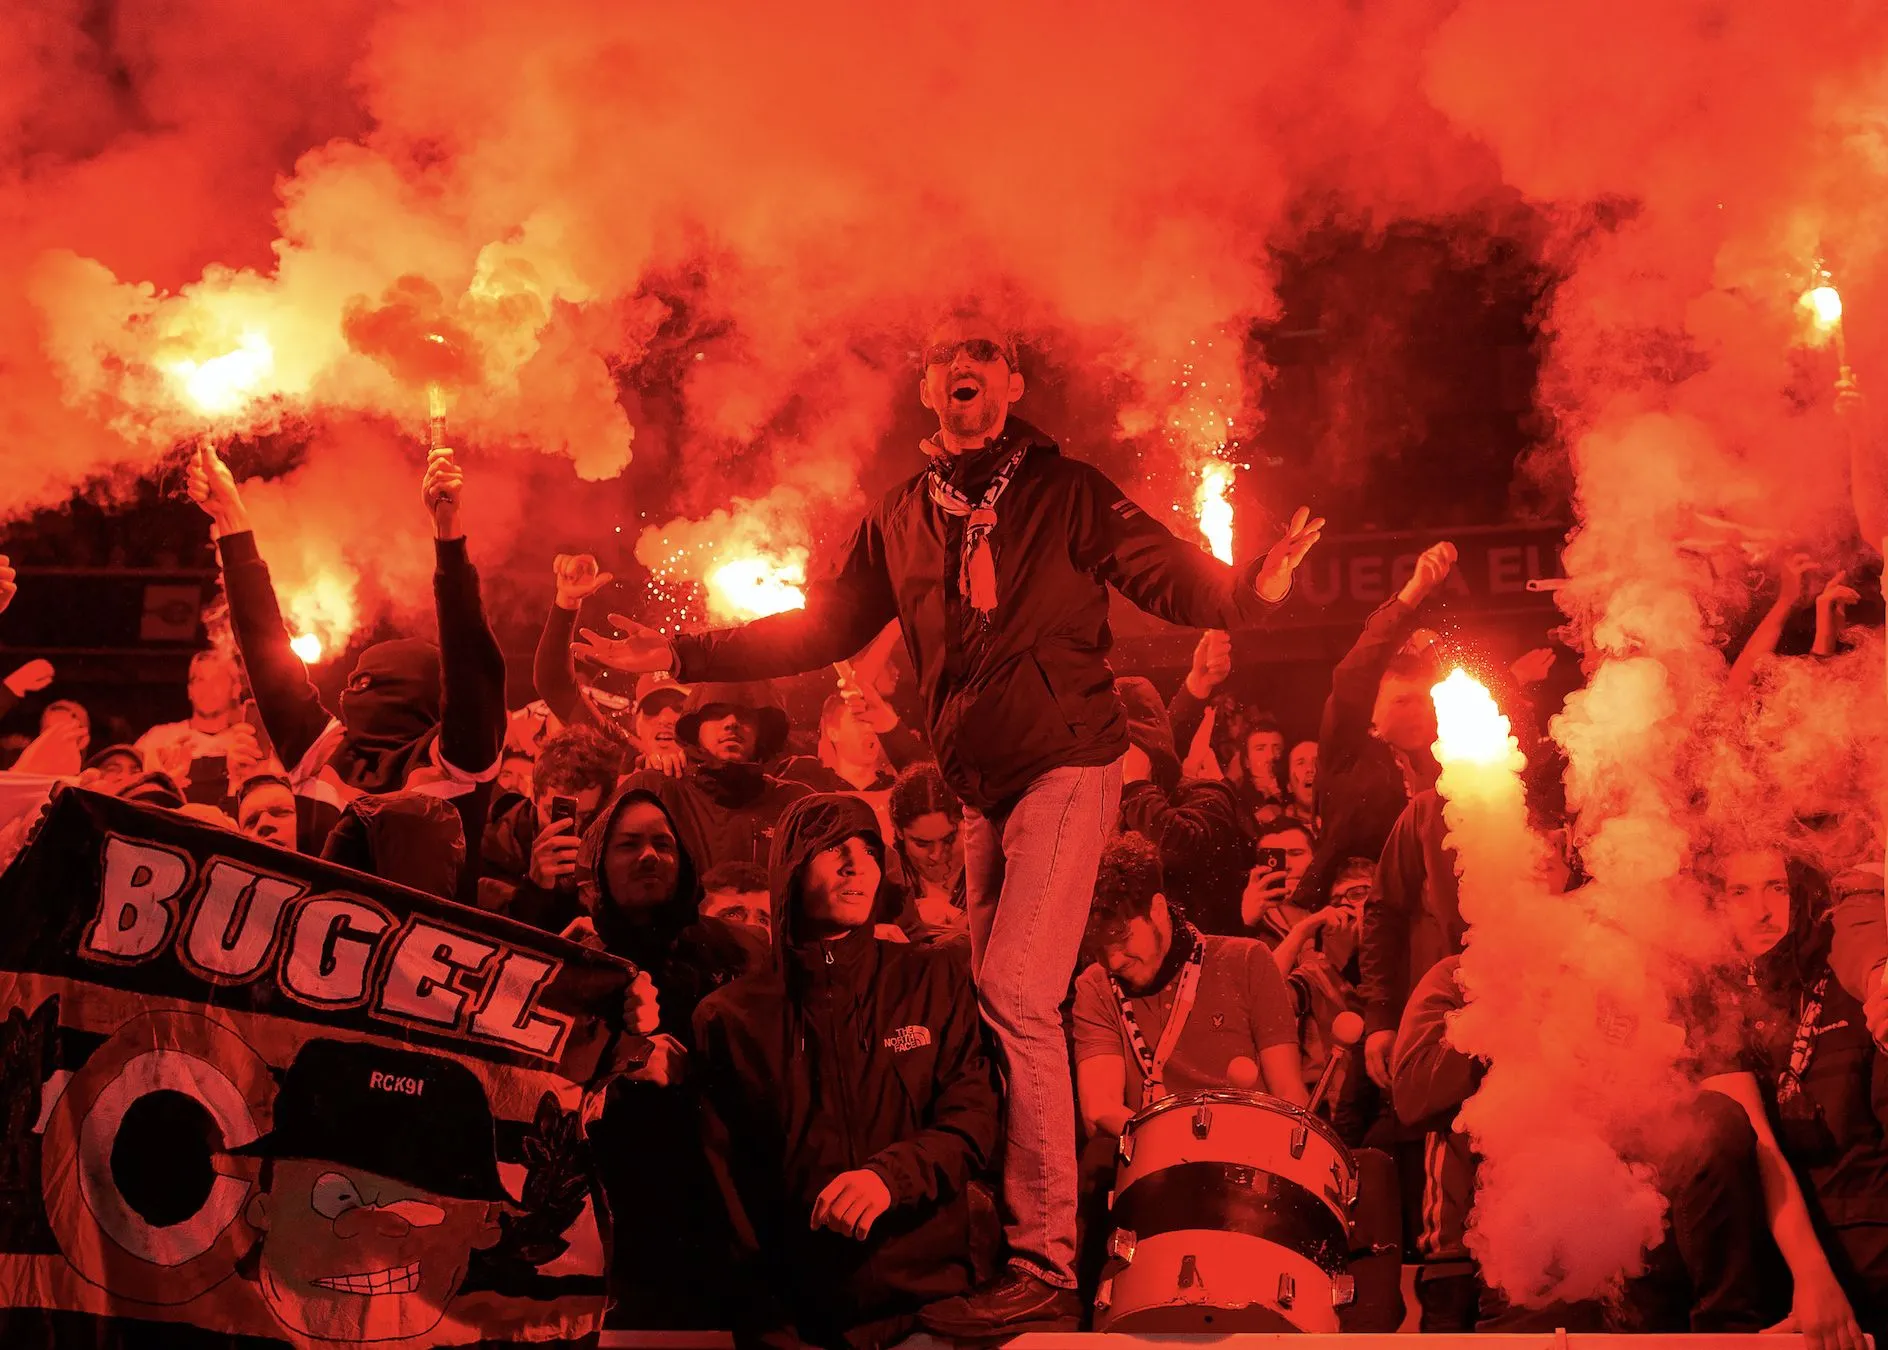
{"x": 471, "y": 666}
{"x": 291, "y": 708}
{"x": 843, "y": 612}
{"x": 1170, "y": 578}
{"x": 553, "y": 674}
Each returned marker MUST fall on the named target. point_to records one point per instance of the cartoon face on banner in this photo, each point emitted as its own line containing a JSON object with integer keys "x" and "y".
{"x": 381, "y": 1182}
{"x": 194, "y": 1147}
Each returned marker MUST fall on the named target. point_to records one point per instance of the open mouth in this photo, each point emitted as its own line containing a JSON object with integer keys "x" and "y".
{"x": 403, "y": 1280}
{"x": 965, "y": 390}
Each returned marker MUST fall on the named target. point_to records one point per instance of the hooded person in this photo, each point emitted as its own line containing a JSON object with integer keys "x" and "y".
{"x": 848, "y": 1101}
{"x": 725, "y": 802}
{"x": 413, "y": 715}
{"x": 408, "y": 838}
{"x": 640, "y": 890}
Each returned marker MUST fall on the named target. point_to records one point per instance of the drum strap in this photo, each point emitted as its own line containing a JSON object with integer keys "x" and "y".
{"x": 1154, "y": 1063}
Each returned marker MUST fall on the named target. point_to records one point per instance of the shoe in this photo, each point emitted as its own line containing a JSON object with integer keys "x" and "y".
{"x": 1016, "y": 1302}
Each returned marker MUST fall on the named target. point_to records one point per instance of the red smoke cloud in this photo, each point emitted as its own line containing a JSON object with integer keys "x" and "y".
{"x": 749, "y": 208}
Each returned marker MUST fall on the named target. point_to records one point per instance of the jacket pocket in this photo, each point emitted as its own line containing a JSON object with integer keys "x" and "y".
{"x": 1012, "y": 726}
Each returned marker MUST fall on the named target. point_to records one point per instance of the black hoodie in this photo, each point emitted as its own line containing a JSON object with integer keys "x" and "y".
{"x": 726, "y": 812}
{"x": 669, "y": 1230}
{"x": 849, "y": 1053}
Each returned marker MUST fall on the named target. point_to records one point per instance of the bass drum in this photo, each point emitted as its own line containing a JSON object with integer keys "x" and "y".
{"x": 1231, "y": 1213}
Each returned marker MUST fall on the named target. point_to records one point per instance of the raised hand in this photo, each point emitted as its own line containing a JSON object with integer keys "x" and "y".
{"x": 440, "y": 489}
{"x": 1533, "y": 667}
{"x": 638, "y": 652}
{"x": 1832, "y": 615}
{"x": 1433, "y": 566}
{"x": 29, "y": 678}
{"x": 577, "y": 579}
{"x": 213, "y": 487}
{"x": 1212, "y": 663}
{"x": 1274, "y": 581}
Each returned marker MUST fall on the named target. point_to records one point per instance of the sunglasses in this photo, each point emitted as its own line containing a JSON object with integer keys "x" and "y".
{"x": 981, "y": 350}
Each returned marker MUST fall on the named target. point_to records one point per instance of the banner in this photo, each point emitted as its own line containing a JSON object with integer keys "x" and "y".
{"x": 280, "y": 1102}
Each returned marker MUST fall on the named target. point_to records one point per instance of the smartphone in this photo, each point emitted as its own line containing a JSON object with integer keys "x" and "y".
{"x": 1272, "y": 859}
{"x": 564, "y": 808}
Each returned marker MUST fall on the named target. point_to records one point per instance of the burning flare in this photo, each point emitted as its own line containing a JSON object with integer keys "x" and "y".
{"x": 1469, "y": 726}
{"x": 322, "y": 615}
{"x": 222, "y": 384}
{"x": 1825, "y": 304}
{"x": 1215, "y": 510}
{"x": 755, "y": 586}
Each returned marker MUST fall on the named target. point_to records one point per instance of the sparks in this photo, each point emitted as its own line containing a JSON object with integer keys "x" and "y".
{"x": 754, "y": 587}
{"x": 222, "y": 384}
{"x": 1469, "y": 726}
{"x": 1215, "y": 509}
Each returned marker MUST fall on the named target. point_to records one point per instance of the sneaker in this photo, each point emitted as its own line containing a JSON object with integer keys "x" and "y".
{"x": 1015, "y": 1303}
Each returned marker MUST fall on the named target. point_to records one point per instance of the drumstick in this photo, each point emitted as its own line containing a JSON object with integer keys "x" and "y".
{"x": 1347, "y": 1028}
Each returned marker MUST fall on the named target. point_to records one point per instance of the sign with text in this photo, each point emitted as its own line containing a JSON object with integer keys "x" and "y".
{"x": 253, "y": 1098}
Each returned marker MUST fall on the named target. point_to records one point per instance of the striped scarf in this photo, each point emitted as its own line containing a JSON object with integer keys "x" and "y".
{"x": 976, "y": 566}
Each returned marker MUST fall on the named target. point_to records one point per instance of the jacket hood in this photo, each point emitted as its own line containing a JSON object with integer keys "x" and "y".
{"x": 758, "y": 696}
{"x": 809, "y": 827}
{"x": 390, "y": 712}
{"x": 409, "y": 838}
{"x": 638, "y": 942}
{"x": 1149, "y": 729}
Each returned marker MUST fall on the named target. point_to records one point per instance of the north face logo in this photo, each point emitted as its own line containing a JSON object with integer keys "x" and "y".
{"x": 908, "y": 1038}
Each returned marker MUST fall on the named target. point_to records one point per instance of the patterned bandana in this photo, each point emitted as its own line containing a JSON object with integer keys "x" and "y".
{"x": 976, "y": 571}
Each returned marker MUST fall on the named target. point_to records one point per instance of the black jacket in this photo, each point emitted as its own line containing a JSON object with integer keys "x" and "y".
{"x": 1030, "y": 691}
{"x": 666, "y": 1212}
{"x": 847, "y": 1054}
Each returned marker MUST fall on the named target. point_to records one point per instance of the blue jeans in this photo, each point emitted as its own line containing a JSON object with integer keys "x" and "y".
{"x": 1030, "y": 876}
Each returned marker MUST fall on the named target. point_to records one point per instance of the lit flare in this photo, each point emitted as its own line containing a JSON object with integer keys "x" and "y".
{"x": 221, "y": 384}
{"x": 322, "y": 614}
{"x": 1825, "y": 305}
{"x": 1469, "y": 726}
{"x": 1215, "y": 508}
{"x": 755, "y": 586}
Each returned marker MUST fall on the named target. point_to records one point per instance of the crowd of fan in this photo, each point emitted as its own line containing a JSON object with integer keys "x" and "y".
{"x": 678, "y": 828}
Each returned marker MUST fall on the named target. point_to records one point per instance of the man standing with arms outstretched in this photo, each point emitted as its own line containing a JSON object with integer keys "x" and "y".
{"x": 996, "y": 560}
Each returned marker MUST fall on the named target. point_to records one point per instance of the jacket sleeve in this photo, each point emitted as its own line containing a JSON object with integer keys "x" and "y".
{"x": 554, "y": 675}
{"x": 1384, "y": 957}
{"x": 1344, "y": 731}
{"x": 904, "y": 747}
{"x": 844, "y": 611}
{"x": 1168, "y": 577}
{"x": 471, "y": 667}
{"x": 960, "y": 1139}
{"x": 1860, "y": 943}
{"x": 1428, "y": 1076}
{"x": 758, "y": 1315}
{"x": 1185, "y": 714}
{"x": 291, "y": 709}
{"x": 8, "y": 700}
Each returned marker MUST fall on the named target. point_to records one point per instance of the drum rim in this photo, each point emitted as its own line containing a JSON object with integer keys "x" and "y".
{"x": 1242, "y": 1097}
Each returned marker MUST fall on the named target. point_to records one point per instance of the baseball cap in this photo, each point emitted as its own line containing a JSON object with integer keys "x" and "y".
{"x": 658, "y": 682}
{"x": 418, "y": 1118}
